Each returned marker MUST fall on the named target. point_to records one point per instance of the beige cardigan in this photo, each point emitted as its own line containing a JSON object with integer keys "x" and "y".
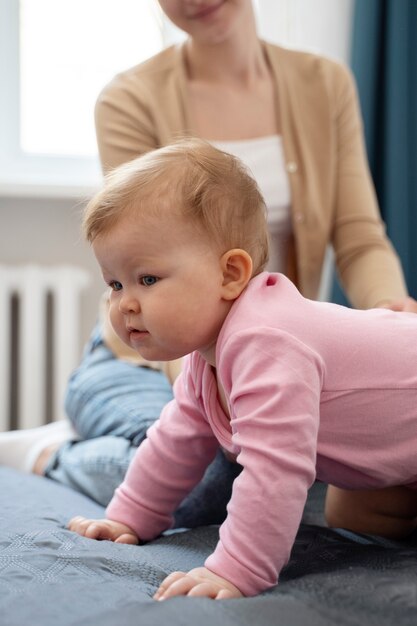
{"x": 333, "y": 198}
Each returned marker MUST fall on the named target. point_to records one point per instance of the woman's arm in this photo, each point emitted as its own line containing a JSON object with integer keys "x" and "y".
{"x": 369, "y": 268}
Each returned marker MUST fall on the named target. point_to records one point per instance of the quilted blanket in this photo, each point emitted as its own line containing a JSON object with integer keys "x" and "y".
{"x": 50, "y": 576}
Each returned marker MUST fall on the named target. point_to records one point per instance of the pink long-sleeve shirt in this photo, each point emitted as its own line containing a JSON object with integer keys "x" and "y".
{"x": 313, "y": 390}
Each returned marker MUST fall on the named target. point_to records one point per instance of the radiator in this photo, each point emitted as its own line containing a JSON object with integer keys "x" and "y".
{"x": 39, "y": 341}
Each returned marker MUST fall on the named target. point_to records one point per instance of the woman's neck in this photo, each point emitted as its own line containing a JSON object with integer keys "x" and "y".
{"x": 238, "y": 60}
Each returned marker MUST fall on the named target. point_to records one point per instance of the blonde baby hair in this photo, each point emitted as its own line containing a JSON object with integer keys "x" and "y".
{"x": 195, "y": 180}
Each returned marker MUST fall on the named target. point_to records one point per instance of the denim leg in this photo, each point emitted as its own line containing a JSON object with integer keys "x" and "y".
{"x": 106, "y": 396}
{"x": 94, "y": 467}
{"x": 111, "y": 404}
{"x": 206, "y": 503}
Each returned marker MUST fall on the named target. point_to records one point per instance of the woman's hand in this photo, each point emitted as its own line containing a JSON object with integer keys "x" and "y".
{"x": 405, "y": 305}
{"x": 198, "y": 582}
{"x": 103, "y": 529}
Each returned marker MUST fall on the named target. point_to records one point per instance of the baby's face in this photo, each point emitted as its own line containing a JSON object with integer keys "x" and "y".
{"x": 165, "y": 282}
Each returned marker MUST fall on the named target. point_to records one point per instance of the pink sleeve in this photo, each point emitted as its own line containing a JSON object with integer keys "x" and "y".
{"x": 274, "y": 383}
{"x": 166, "y": 466}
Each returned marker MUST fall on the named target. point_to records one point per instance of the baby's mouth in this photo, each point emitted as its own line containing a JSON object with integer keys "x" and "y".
{"x": 135, "y": 333}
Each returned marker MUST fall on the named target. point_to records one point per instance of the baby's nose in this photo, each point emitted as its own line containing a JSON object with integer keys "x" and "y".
{"x": 129, "y": 304}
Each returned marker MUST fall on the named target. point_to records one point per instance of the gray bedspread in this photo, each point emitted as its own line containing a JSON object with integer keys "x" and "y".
{"x": 52, "y": 577}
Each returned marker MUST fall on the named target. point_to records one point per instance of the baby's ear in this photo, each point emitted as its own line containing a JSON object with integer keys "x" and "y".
{"x": 236, "y": 265}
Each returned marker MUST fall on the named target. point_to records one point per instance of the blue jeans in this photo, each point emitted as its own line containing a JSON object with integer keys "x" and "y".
{"x": 111, "y": 404}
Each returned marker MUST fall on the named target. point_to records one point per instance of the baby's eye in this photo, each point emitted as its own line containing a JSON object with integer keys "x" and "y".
{"x": 148, "y": 281}
{"x": 115, "y": 285}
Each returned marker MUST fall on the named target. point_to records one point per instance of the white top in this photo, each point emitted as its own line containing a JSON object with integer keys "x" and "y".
{"x": 264, "y": 156}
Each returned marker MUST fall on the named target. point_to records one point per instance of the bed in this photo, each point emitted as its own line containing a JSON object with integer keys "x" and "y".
{"x": 51, "y": 576}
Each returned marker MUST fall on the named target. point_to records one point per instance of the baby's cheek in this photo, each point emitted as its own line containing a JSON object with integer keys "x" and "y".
{"x": 117, "y": 322}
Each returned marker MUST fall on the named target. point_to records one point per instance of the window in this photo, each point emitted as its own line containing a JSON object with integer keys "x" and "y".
{"x": 68, "y": 51}
{"x": 56, "y": 55}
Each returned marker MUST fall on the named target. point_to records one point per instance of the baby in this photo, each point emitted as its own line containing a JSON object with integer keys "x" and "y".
{"x": 293, "y": 389}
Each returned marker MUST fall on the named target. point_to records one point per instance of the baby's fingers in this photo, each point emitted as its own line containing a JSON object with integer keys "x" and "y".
{"x": 97, "y": 529}
{"x": 79, "y": 524}
{"x": 93, "y": 529}
{"x": 127, "y": 538}
{"x": 167, "y": 585}
{"x": 103, "y": 529}
{"x": 226, "y": 594}
{"x": 207, "y": 590}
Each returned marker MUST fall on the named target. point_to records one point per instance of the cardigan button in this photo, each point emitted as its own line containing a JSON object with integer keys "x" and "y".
{"x": 292, "y": 167}
{"x": 299, "y": 217}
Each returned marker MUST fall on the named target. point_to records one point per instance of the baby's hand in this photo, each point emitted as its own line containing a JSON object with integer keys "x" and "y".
{"x": 103, "y": 529}
{"x": 198, "y": 582}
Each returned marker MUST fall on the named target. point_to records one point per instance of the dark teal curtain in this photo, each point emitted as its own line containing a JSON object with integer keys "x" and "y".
{"x": 384, "y": 62}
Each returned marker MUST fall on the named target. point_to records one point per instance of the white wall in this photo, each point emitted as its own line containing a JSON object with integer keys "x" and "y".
{"x": 47, "y": 231}
{"x": 322, "y": 26}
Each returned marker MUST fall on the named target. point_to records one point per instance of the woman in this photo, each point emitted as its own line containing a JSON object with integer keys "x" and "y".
{"x": 294, "y": 119}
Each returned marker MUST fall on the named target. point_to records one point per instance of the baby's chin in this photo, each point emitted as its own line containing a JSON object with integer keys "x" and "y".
{"x": 155, "y": 353}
